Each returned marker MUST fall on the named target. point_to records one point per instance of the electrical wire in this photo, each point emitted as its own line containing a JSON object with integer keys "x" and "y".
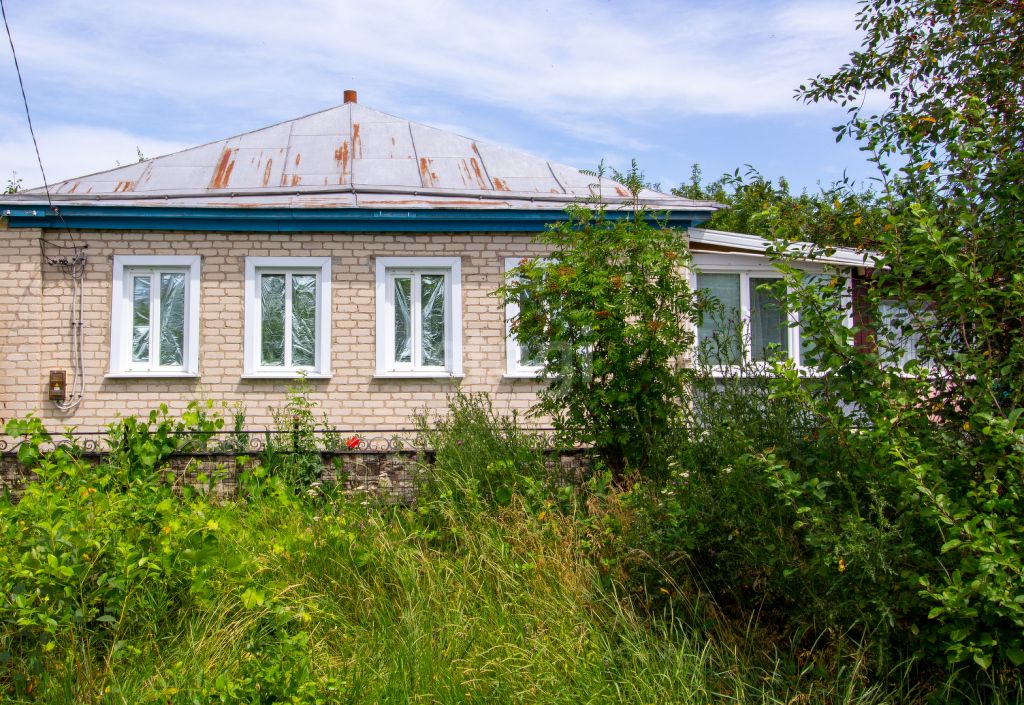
{"x": 32, "y": 131}
{"x": 74, "y": 266}
{"x": 76, "y": 269}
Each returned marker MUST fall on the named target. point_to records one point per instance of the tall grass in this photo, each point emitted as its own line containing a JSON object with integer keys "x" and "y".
{"x": 286, "y": 597}
{"x": 358, "y": 605}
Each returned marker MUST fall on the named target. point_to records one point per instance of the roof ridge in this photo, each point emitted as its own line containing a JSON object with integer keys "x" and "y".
{"x": 395, "y": 151}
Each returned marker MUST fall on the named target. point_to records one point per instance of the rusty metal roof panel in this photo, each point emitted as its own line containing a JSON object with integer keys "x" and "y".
{"x": 171, "y": 178}
{"x": 438, "y": 144}
{"x": 459, "y": 173}
{"x": 507, "y": 163}
{"x": 313, "y": 158}
{"x": 347, "y": 156}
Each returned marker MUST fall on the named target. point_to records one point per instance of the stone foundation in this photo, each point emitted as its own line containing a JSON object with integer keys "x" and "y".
{"x": 390, "y": 476}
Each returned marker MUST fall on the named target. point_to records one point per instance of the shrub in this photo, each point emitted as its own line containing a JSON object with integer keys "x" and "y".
{"x": 480, "y": 455}
{"x": 610, "y": 307}
{"x": 94, "y": 555}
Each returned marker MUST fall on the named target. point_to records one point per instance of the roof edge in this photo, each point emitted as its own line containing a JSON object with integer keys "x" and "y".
{"x": 670, "y": 203}
{"x": 152, "y": 218}
{"x": 844, "y": 256}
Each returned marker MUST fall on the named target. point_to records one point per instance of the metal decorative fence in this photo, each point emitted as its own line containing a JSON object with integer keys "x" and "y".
{"x": 388, "y": 440}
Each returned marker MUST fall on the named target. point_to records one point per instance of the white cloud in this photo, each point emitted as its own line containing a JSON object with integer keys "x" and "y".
{"x": 577, "y": 56}
{"x": 73, "y": 150}
{"x": 590, "y": 70}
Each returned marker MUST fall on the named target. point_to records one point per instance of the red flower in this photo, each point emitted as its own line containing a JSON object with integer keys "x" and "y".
{"x": 352, "y": 442}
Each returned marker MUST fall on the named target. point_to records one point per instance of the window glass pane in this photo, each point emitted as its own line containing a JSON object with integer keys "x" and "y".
{"x": 172, "y": 319}
{"x": 895, "y": 333}
{"x": 140, "y": 319}
{"x": 825, "y": 283}
{"x": 720, "y": 335}
{"x": 432, "y": 311}
{"x": 769, "y": 328}
{"x": 403, "y": 319}
{"x": 303, "y": 320}
{"x": 272, "y": 324}
{"x": 531, "y": 352}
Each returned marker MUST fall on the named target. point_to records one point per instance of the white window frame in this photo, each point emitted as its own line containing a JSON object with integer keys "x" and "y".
{"x": 254, "y": 268}
{"x": 387, "y": 269}
{"x": 759, "y": 267}
{"x": 124, "y": 268}
{"x": 514, "y": 367}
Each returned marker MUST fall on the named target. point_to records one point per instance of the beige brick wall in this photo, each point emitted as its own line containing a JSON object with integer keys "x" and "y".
{"x": 35, "y": 310}
{"x": 21, "y": 299}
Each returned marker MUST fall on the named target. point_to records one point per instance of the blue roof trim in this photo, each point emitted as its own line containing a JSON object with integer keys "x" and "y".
{"x": 277, "y": 220}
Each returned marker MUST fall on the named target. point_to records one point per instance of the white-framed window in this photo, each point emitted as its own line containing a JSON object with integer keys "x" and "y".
{"x": 524, "y": 358}
{"x": 287, "y": 317}
{"x": 154, "y": 322}
{"x": 752, "y": 325}
{"x": 419, "y": 317}
{"x": 895, "y": 334}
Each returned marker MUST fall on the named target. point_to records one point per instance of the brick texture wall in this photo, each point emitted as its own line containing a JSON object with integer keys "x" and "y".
{"x": 35, "y": 337}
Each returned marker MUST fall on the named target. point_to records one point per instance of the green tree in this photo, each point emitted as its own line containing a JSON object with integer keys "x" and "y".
{"x": 835, "y": 215}
{"x": 611, "y": 305}
{"x": 934, "y": 453}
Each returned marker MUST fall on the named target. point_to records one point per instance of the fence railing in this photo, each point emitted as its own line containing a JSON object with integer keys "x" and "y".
{"x": 241, "y": 441}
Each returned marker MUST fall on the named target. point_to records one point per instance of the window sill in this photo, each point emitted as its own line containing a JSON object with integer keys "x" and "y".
{"x": 719, "y": 372}
{"x": 286, "y": 374}
{"x": 418, "y": 375}
{"x": 535, "y": 376}
{"x": 145, "y": 374}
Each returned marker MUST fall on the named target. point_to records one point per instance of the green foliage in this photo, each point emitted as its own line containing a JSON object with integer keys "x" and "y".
{"x": 933, "y": 450}
{"x": 92, "y": 557}
{"x": 115, "y": 588}
{"x": 143, "y": 445}
{"x": 13, "y": 185}
{"x": 480, "y": 456}
{"x": 293, "y": 452}
{"x": 837, "y": 215}
{"x": 611, "y": 304}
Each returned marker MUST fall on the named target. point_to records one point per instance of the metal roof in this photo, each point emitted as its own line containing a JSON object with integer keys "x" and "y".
{"x": 842, "y": 256}
{"x": 349, "y": 156}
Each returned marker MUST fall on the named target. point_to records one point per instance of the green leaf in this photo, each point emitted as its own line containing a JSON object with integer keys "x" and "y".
{"x": 503, "y": 495}
{"x": 1016, "y": 656}
{"x": 950, "y": 545}
{"x": 253, "y": 598}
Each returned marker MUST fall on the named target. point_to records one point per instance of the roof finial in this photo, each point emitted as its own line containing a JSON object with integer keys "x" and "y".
{"x": 350, "y": 95}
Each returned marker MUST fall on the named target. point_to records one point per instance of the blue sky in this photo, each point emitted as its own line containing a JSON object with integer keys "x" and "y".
{"x": 575, "y": 81}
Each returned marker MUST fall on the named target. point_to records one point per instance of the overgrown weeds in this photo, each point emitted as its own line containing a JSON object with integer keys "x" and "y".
{"x": 115, "y": 587}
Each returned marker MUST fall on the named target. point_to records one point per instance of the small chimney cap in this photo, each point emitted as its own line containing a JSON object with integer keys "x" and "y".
{"x": 350, "y": 95}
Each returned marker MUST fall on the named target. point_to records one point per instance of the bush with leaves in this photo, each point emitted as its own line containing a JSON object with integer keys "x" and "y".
{"x": 93, "y": 554}
{"x": 293, "y": 451}
{"x": 933, "y": 453}
{"x": 839, "y": 214}
{"x": 611, "y": 307}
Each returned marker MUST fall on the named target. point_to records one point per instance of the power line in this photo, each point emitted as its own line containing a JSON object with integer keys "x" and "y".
{"x": 75, "y": 266}
{"x": 31, "y": 129}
